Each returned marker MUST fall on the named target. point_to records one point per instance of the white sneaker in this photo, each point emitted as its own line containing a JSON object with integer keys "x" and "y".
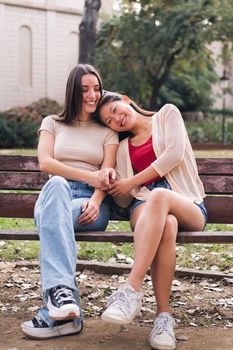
{"x": 123, "y": 305}
{"x": 62, "y": 304}
{"x": 162, "y": 336}
{"x": 39, "y": 329}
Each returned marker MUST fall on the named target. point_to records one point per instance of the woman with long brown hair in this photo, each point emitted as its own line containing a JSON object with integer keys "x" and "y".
{"x": 73, "y": 149}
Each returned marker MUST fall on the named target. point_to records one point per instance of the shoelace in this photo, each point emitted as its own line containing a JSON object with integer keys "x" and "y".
{"x": 161, "y": 325}
{"x": 63, "y": 295}
{"x": 40, "y": 322}
{"x": 119, "y": 299}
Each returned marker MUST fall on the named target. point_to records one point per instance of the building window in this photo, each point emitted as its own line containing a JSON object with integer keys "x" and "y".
{"x": 25, "y": 56}
{"x": 73, "y": 50}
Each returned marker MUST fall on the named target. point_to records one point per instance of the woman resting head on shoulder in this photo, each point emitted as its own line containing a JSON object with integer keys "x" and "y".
{"x": 158, "y": 183}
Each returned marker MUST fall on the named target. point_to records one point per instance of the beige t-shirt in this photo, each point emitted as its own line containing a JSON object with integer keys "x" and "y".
{"x": 79, "y": 144}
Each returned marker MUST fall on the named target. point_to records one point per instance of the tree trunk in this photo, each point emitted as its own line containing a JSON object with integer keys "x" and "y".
{"x": 154, "y": 95}
{"x": 87, "y": 31}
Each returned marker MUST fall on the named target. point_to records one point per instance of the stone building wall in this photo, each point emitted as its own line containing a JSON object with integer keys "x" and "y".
{"x": 38, "y": 47}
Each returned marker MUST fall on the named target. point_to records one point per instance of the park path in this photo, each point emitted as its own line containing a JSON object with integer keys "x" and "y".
{"x": 98, "y": 335}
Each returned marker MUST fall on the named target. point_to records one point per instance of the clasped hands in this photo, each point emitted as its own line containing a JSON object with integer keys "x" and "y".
{"x": 114, "y": 187}
{"x": 105, "y": 180}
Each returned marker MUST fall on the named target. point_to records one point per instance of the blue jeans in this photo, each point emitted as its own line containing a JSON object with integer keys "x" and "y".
{"x": 57, "y": 211}
{"x": 163, "y": 183}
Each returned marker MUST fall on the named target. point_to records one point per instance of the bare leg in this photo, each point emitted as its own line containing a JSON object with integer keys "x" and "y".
{"x": 163, "y": 266}
{"x": 150, "y": 226}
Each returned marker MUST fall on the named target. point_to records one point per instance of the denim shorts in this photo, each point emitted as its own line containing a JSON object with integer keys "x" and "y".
{"x": 163, "y": 183}
{"x": 203, "y": 210}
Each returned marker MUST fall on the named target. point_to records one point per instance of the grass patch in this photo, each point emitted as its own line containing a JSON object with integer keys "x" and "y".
{"x": 18, "y": 151}
{"x": 198, "y": 153}
{"x": 213, "y": 154}
{"x": 19, "y": 250}
{"x": 16, "y": 224}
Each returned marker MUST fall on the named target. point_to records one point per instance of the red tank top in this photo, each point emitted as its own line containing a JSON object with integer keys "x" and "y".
{"x": 142, "y": 156}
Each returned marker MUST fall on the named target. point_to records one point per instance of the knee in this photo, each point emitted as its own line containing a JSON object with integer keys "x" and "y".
{"x": 57, "y": 187}
{"x": 170, "y": 230}
{"x": 57, "y": 184}
{"x": 57, "y": 181}
{"x": 158, "y": 197}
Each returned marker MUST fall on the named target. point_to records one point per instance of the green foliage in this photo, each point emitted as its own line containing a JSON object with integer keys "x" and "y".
{"x": 157, "y": 50}
{"x": 17, "y": 132}
{"x": 209, "y": 130}
{"x": 18, "y": 126}
{"x": 189, "y": 83}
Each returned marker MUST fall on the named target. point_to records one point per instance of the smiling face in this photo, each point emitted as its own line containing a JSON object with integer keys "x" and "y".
{"x": 91, "y": 92}
{"x": 118, "y": 115}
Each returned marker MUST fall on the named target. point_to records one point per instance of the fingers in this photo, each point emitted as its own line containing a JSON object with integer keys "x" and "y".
{"x": 89, "y": 215}
{"x": 106, "y": 177}
{"x": 105, "y": 188}
{"x": 114, "y": 192}
{"x": 112, "y": 175}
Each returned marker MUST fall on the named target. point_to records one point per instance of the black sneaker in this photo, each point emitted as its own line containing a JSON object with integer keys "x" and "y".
{"x": 39, "y": 329}
{"x": 62, "y": 304}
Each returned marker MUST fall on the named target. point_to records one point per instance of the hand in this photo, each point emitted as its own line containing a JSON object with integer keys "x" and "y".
{"x": 102, "y": 179}
{"x": 121, "y": 187}
{"x": 90, "y": 212}
{"x": 107, "y": 177}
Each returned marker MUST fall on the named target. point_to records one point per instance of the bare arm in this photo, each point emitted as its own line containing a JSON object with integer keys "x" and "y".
{"x": 91, "y": 206}
{"x": 108, "y": 162}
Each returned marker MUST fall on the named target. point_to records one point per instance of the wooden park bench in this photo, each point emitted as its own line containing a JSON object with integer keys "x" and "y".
{"x": 20, "y": 181}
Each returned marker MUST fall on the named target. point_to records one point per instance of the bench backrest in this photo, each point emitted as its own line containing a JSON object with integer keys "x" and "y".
{"x": 20, "y": 181}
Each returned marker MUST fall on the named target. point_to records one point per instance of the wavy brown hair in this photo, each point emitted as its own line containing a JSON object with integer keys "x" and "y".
{"x": 74, "y": 95}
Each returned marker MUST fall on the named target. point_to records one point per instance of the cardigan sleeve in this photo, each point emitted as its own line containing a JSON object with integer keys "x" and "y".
{"x": 172, "y": 132}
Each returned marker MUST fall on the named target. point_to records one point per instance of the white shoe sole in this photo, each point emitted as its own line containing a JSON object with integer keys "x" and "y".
{"x": 112, "y": 319}
{"x": 65, "y": 312}
{"x": 47, "y": 333}
{"x": 162, "y": 346}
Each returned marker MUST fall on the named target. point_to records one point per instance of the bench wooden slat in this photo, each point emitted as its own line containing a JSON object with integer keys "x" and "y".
{"x": 18, "y": 163}
{"x": 22, "y": 181}
{"x": 30, "y": 163}
{"x": 215, "y": 166}
{"x": 105, "y": 236}
{"x": 217, "y": 184}
{"x": 35, "y": 181}
{"x": 220, "y": 209}
{"x": 17, "y": 205}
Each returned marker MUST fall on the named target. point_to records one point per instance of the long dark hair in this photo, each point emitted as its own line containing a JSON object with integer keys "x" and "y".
{"x": 74, "y": 95}
{"x": 112, "y": 97}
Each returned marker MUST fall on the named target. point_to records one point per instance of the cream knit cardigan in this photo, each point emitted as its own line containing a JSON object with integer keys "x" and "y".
{"x": 175, "y": 159}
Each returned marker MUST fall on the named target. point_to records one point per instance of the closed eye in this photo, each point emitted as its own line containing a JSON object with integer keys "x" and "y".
{"x": 108, "y": 121}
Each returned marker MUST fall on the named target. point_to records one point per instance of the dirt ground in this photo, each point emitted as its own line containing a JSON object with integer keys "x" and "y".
{"x": 203, "y": 310}
{"x": 99, "y": 336}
